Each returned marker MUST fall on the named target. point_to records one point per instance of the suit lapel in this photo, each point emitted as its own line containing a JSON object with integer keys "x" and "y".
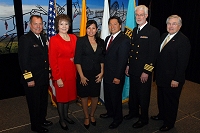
{"x": 171, "y": 41}
{"x": 35, "y": 40}
{"x": 88, "y": 45}
{"x": 135, "y": 35}
{"x": 116, "y": 39}
{"x": 141, "y": 33}
{"x": 44, "y": 43}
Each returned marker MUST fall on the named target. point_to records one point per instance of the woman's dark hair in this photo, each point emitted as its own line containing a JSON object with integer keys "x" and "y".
{"x": 90, "y": 22}
{"x": 115, "y": 17}
{"x": 61, "y": 17}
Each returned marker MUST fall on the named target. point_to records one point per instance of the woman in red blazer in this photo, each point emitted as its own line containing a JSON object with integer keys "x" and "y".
{"x": 61, "y": 58}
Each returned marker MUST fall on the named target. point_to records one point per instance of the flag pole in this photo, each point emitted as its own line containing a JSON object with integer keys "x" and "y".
{"x": 83, "y": 19}
{"x": 55, "y": 7}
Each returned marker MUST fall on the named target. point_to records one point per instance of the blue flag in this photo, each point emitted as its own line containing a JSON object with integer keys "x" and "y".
{"x": 51, "y": 19}
{"x": 130, "y": 24}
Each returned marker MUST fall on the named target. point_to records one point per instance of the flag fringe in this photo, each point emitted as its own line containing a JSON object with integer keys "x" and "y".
{"x": 125, "y": 100}
{"x": 52, "y": 99}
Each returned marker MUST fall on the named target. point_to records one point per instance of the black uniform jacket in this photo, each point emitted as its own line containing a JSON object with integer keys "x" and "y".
{"x": 172, "y": 61}
{"x": 144, "y": 50}
{"x": 116, "y": 57}
{"x": 85, "y": 55}
{"x": 33, "y": 59}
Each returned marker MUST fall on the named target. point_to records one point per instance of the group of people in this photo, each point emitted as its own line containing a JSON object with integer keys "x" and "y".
{"x": 78, "y": 64}
{"x": 168, "y": 56}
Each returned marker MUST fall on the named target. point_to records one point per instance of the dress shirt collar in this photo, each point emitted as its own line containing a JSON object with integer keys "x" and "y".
{"x": 142, "y": 26}
{"x": 114, "y": 35}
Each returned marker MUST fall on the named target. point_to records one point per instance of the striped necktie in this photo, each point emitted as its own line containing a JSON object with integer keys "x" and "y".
{"x": 165, "y": 42}
{"x": 111, "y": 39}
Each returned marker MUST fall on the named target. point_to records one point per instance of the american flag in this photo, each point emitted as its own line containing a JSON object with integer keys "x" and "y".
{"x": 51, "y": 32}
{"x": 51, "y": 19}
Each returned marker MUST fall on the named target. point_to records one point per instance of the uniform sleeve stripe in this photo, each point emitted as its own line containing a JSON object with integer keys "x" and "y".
{"x": 148, "y": 67}
{"x": 27, "y": 75}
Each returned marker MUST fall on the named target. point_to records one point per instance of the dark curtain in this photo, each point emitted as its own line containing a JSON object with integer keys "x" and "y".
{"x": 9, "y": 66}
{"x": 189, "y": 11}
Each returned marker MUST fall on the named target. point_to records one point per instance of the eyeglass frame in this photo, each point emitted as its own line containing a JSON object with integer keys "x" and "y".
{"x": 172, "y": 24}
{"x": 140, "y": 15}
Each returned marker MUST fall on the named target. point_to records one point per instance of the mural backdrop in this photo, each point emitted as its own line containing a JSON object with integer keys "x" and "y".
{"x": 8, "y": 35}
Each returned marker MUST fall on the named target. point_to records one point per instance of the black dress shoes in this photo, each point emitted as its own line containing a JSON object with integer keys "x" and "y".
{"x": 156, "y": 118}
{"x": 114, "y": 125}
{"x": 41, "y": 130}
{"x": 165, "y": 128}
{"x": 139, "y": 124}
{"x": 104, "y": 115}
{"x": 47, "y": 123}
{"x": 129, "y": 116}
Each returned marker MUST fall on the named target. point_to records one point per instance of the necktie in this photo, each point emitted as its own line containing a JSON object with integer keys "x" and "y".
{"x": 138, "y": 30}
{"x": 111, "y": 39}
{"x": 39, "y": 38}
{"x": 166, "y": 41}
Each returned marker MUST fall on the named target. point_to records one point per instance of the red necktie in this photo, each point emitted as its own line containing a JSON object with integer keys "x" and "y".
{"x": 111, "y": 39}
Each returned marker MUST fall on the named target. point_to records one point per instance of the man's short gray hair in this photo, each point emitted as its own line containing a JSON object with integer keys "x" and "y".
{"x": 142, "y": 7}
{"x": 175, "y": 16}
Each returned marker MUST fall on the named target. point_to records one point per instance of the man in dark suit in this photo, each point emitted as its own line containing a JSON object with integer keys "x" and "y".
{"x": 33, "y": 61}
{"x": 144, "y": 49}
{"x": 170, "y": 71}
{"x": 117, "y": 49}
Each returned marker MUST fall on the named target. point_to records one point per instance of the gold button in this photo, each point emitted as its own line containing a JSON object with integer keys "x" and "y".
{"x": 137, "y": 52}
{"x": 131, "y": 50}
{"x": 132, "y": 44}
{"x": 45, "y": 61}
{"x": 131, "y": 56}
{"x": 138, "y": 46}
{"x": 136, "y": 58}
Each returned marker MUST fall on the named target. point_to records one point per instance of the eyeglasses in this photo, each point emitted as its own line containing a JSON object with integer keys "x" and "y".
{"x": 172, "y": 24}
{"x": 139, "y": 15}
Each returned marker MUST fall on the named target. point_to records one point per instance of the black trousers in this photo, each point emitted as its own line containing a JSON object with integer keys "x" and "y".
{"x": 113, "y": 100}
{"x": 168, "y": 101}
{"x": 139, "y": 96}
{"x": 37, "y": 100}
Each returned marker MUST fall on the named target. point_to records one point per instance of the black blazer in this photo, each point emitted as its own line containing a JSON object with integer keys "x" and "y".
{"x": 33, "y": 59}
{"x": 172, "y": 61}
{"x": 144, "y": 50}
{"x": 85, "y": 55}
{"x": 116, "y": 58}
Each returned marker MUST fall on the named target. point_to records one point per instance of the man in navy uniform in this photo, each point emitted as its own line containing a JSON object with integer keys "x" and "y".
{"x": 144, "y": 49}
{"x": 33, "y": 61}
